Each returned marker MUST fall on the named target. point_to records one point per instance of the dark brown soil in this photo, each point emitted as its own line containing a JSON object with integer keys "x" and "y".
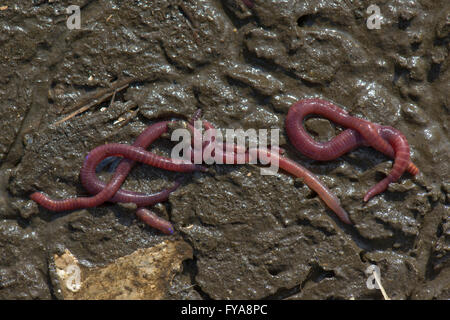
{"x": 253, "y": 236}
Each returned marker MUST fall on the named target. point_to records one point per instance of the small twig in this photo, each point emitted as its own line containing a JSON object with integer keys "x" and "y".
{"x": 126, "y": 121}
{"x": 378, "y": 281}
{"x": 130, "y": 116}
{"x": 113, "y": 97}
{"x": 128, "y": 105}
{"x": 99, "y": 93}
{"x": 98, "y": 97}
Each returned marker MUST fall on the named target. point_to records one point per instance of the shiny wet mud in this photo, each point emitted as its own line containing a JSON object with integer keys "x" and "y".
{"x": 252, "y": 236}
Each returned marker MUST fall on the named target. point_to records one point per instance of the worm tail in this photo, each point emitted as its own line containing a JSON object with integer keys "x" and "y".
{"x": 151, "y": 219}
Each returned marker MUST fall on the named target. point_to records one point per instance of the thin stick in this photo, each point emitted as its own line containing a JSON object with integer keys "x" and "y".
{"x": 99, "y": 93}
{"x": 378, "y": 281}
{"x": 113, "y": 98}
{"x": 97, "y": 101}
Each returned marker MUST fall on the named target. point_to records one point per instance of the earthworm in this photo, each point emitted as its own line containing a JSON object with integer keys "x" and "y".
{"x": 310, "y": 180}
{"x": 287, "y": 165}
{"x": 96, "y": 155}
{"x": 296, "y": 170}
{"x": 151, "y": 219}
{"x": 401, "y": 147}
{"x": 80, "y": 202}
{"x": 210, "y": 144}
{"x": 94, "y": 185}
{"x": 360, "y": 133}
{"x": 224, "y": 148}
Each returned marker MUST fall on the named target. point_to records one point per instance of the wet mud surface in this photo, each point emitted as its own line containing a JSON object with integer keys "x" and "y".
{"x": 252, "y": 236}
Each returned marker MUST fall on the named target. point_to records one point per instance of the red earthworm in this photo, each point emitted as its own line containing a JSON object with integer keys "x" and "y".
{"x": 232, "y": 157}
{"x": 99, "y": 153}
{"x": 401, "y": 147}
{"x": 138, "y": 154}
{"x": 287, "y": 165}
{"x": 360, "y": 133}
{"x": 298, "y": 171}
{"x": 315, "y": 184}
{"x": 126, "y": 196}
{"x": 234, "y": 147}
{"x": 210, "y": 144}
{"x": 94, "y": 185}
{"x": 208, "y": 126}
{"x": 339, "y": 145}
{"x": 227, "y": 148}
{"x": 310, "y": 180}
{"x": 151, "y": 219}
{"x": 80, "y": 202}
{"x": 195, "y": 116}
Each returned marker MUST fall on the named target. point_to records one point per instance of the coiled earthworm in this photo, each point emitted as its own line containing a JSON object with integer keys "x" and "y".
{"x": 360, "y": 133}
{"x": 110, "y": 192}
{"x": 94, "y": 185}
{"x": 98, "y": 154}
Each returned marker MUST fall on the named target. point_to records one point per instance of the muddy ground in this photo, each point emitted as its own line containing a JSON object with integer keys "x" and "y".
{"x": 252, "y": 236}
